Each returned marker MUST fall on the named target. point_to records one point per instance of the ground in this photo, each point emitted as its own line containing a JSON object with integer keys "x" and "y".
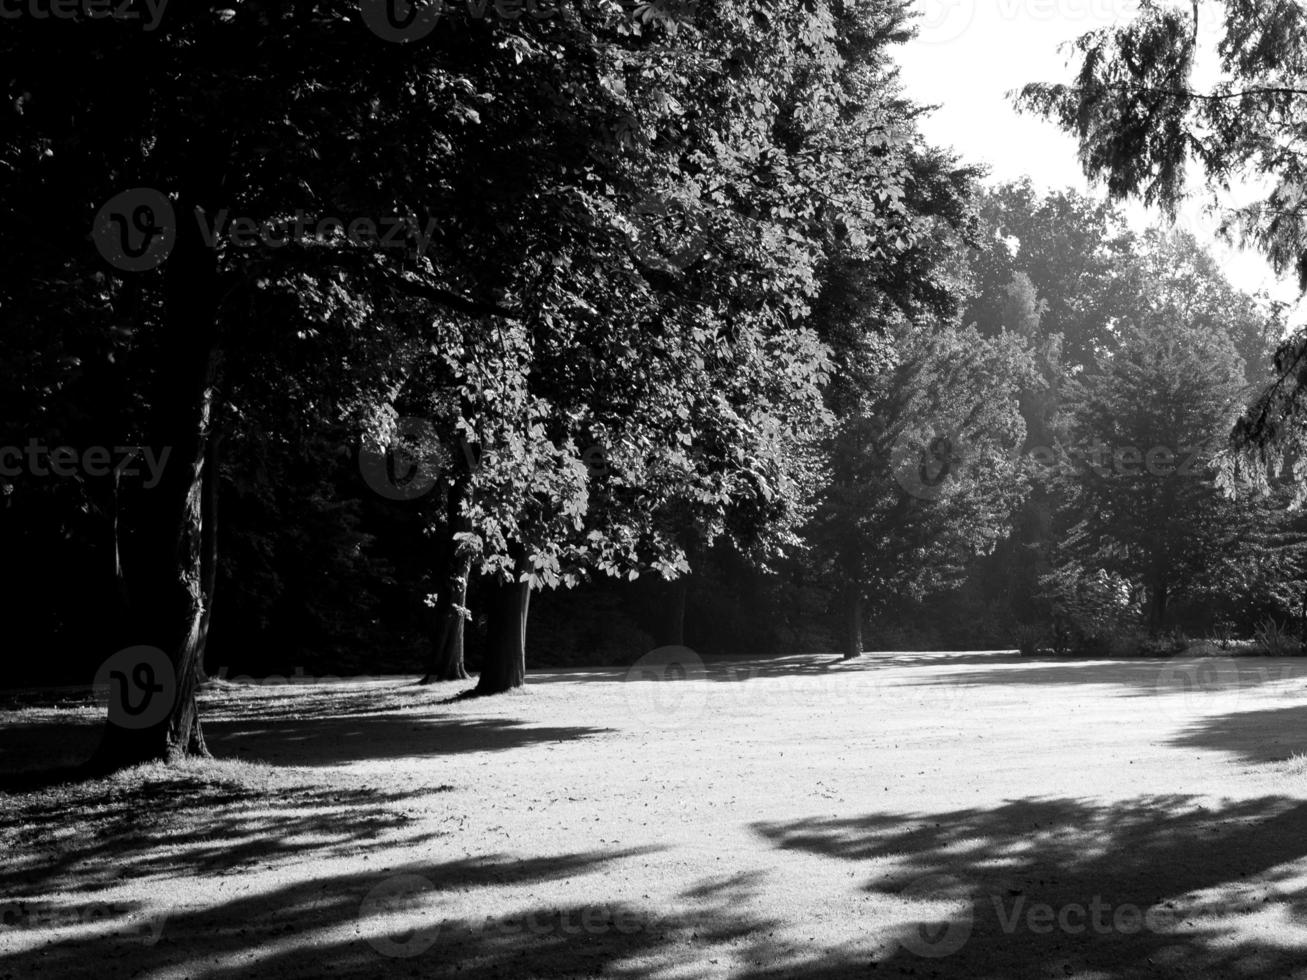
{"x": 905, "y": 815}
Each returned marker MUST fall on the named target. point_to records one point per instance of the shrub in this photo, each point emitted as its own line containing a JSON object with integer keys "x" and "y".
{"x": 1273, "y": 640}
{"x": 1223, "y": 631}
{"x": 1031, "y": 641}
{"x": 1091, "y": 610}
{"x": 1168, "y": 644}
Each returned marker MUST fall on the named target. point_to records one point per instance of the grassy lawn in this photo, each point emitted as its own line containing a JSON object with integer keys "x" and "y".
{"x": 906, "y": 815}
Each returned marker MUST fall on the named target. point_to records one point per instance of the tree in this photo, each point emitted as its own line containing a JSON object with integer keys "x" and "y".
{"x": 210, "y": 111}
{"x": 1069, "y": 247}
{"x": 928, "y": 475}
{"x": 701, "y": 380}
{"x": 1141, "y": 121}
{"x": 1142, "y": 500}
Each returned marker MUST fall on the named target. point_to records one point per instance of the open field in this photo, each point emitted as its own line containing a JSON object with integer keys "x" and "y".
{"x": 905, "y": 815}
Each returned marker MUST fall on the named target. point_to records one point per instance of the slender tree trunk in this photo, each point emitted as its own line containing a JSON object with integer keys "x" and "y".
{"x": 445, "y": 661}
{"x": 1302, "y": 626}
{"x": 674, "y": 624}
{"x": 122, "y": 595}
{"x": 447, "y": 633}
{"x": 208, "y": 548}
{"x": 504, "y": 665}
{"x": 853, "y": 603}
{"x": 1157, "y": 608}
{"x": 168, "y": 594}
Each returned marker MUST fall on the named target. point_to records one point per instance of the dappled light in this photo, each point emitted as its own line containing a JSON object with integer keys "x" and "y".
{"x": 807, "y": 817}
{"x": 653, "y": 490}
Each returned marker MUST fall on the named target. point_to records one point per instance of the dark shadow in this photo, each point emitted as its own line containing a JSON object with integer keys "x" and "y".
{"x": 742, "y": 668}
{"x": 333, "y": 741}
{"x": 316, "y": 726}
{"x": 1144, "y": 677}
{"x": 342, "y": 925}
{"x": 1257, "y": 736}
{"x": 963, "y": 883}
{"x": 1194, "y": 875}
{"x": 91, "y": 835}
{"x": 37, "y": 753}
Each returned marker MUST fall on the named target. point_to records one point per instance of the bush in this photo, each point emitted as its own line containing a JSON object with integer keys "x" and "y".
{"x": 1091, "y": 611}
{"x": 1223, "y": 631}
{"x": 1031, "y": 641}
{"x": 1270, "y": 639}
{"x": 1169, "y": 644}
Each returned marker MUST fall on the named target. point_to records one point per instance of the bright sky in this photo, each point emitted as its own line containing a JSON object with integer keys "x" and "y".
{"x": 971, "y": 53}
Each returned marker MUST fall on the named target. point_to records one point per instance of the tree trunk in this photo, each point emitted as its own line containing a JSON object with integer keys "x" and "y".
{"x": 447, "y": 634}
{"x": 853, "y": 603}
{"x": 122, "y": 595}
{"x": 446, "y": 658}
{"x": 504, "y": 665}
{"x": 208, "y": 548}
{"x": 1302, "y": 626}
{"x": 167, "y": 591}
{"x": 674, "y": 625}
{"x": 1157, "y": 608}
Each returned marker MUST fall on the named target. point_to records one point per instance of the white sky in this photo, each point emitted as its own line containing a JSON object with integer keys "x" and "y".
{"x": 971, "y": 53}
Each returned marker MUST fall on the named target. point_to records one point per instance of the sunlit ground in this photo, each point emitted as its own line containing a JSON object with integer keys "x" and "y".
{"x": 910, "y": 815}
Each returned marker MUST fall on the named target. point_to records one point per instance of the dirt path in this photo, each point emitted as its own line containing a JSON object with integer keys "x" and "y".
{"x": 914, "y": 815}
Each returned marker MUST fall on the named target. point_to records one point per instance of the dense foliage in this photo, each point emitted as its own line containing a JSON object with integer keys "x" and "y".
{"x": 683, "y": 327}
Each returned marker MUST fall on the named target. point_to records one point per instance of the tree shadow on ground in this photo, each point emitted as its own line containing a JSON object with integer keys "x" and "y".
{"x": 97, "y": 834}
{"x": 740, "y": 668}
{"x": 269, "y": 698}
{"x": 1258, "y": 736}
{"x": 314, "y": 727}
{"x": 1160, "y": 886}
{"x": 408, "y": 920}
{"x": 332, "y": 741}
{"x": 34, "y": 753}
{"x": 1188, "y": 676}
{"x": 1157, "y": 887}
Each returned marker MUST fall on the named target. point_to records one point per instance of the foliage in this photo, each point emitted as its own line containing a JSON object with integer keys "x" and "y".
{"x": 1141, "y": 119}
{"x": 1143, "y": 432}
{"x": 1272, "y": 639}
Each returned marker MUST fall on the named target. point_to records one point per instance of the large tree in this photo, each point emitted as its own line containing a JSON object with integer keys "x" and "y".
{"x": 1146, "y": 118}
{"x": 213, "y": 112}
{"x": 1145, "y": 428}
{"x": 767, "y": 143}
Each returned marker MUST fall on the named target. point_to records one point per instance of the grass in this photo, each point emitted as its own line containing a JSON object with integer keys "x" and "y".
{"x": 902, "y": 815}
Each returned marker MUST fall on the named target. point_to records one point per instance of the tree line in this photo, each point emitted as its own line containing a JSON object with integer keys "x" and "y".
{"x": 636, "y": 306}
